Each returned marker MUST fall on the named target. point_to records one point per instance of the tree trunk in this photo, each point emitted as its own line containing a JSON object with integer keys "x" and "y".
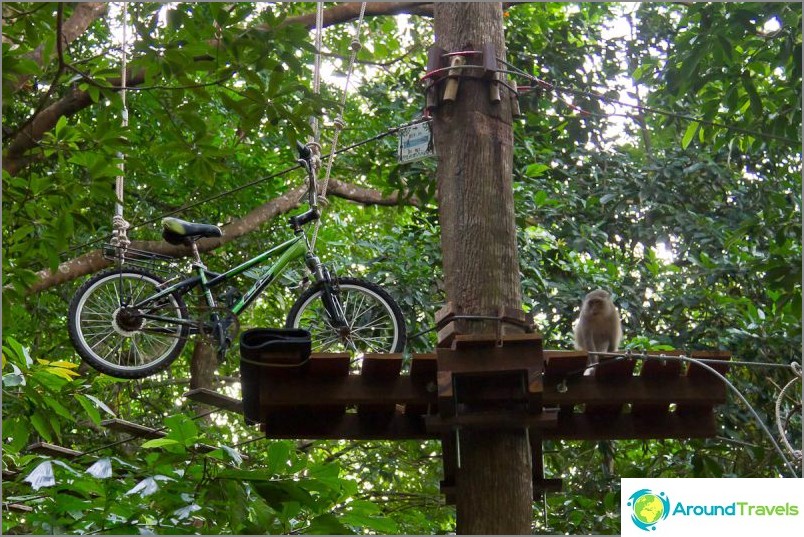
{"x": 474, "y": 144}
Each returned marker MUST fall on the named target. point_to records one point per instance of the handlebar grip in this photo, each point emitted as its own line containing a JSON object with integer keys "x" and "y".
{"x": 304, "y": 151}
{"x": 298, "y": 221}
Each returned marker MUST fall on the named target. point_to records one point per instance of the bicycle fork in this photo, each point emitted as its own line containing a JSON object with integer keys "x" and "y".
{"x": 329, "y": 294}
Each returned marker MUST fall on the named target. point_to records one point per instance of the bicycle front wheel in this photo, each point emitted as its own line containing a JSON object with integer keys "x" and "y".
{"x": 121, "y": 340}
{"x": 374, "y": 322}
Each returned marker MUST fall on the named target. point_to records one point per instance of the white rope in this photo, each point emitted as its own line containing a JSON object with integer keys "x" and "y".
{"x": 794, "y": 453}
{"x": 319, "y": 30}
{"x": 339, "y": 122}
{"x": 119, "y": 224}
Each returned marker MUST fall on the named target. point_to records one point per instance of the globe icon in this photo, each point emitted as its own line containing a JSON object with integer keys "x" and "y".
{"x": 648, "y": 509}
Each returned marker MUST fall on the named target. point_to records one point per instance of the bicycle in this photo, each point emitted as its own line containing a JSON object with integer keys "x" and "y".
{"x": 128, "y": 322}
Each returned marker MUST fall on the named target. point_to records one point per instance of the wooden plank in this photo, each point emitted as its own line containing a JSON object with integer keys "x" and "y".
{"x": 134, "y": 429}
{"x": 611, "y": 370}
{"x": 443, "y": 315}
{"x": 492, "y": 420}
{"x": 352, "y": 390}
{"x": 213, "y": 398}
{"x": 572, "y": 427}
{"x": 629, "y": 427}
{"x": 697, "y": 372}
{"x": 348, "y": 390}
{"x": 379, "y": 370}
{"x": 17, "y": 507}
{"x": 423, "y": 368}
{"x": 381, "y": 366}
{"x": 346, "y": 426}
{"x": 706, "y": 379}
{"x": 329, "y": 364}
{"x": 53, "y": 450}
{"x": 142, "y": 431}
{"x": 588, "y": 390}
{"x": 655, "y": 373}
{"x": 560, "y": 364}
{"x": 479, "y": 354}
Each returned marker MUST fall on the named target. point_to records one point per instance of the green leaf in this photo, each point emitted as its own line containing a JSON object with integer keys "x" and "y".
{"x": 753, "y": 96}
{"x": 182, "y": 429}
{"x": 689, "y": 134}
{"x": 58, "y": 407}
{"x": 327, "y": 524}
{"x": 278, "y": 454}
{"x": 536, "y": 169}
{"x": 89, "y": 408}
{"x": 160, "y": 442}
{"x": 40, "y": 423}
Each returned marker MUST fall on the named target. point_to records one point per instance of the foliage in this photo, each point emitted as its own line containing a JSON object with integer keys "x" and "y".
{"x": 695, "y": 226}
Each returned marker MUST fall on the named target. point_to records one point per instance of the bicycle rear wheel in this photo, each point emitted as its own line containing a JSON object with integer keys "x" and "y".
{"x": 374, "y": 320}
{"x": 118, "y": 339}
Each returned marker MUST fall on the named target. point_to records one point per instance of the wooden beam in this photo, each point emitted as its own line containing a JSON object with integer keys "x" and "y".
{"x": 54, "y": 451}
{"x": 142, "y": 431}
{"x": 346, "y": 390}
{"x": 588, "y": 390}
{"x": 18, "y": 507}
{"x": 504, "y": 419}
{"x": 10, "y": 474}
{"x": 345, "y": 426}
{"x": 630, "y": 427}
{"x": 213, "y": 398}
{"x": 134, "y": 429}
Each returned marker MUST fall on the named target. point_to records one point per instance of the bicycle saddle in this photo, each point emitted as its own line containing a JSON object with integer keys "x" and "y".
{"x": 177, "y": 231}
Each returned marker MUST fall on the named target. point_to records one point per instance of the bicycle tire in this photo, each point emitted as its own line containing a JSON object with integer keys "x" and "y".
{"x": 311, "y": 298}
{"x": 103, "y": 291}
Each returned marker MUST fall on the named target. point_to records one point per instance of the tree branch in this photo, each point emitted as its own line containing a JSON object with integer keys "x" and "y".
{"x": 77, "y": 100}
{"x": 349, "y": 11}
{"x": 94, "y": 261}
{"x": 82, "y": 17}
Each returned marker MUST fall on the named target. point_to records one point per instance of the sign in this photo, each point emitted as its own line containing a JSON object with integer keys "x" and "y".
{"x": 729, "y": 506}
{"x": 415, "y": 143}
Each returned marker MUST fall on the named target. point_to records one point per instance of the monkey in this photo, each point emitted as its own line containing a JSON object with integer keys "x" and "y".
{"x": 598, "y": 328}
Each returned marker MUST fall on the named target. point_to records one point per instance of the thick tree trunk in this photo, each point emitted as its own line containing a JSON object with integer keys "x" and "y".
{"x": 474, "y": 144}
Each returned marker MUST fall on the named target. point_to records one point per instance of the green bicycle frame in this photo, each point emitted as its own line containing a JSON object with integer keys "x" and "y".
{"x": 288, "y": 252}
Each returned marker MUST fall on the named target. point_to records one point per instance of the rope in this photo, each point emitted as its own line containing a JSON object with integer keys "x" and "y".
{"x": 119, "y": 225}
{"x": 794, "y": 453}
{"x": 319, "y": 26}
{"x": 339, "y": 122}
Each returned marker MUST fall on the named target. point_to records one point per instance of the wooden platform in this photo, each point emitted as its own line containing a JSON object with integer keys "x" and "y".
{"x": 323, "y": 400}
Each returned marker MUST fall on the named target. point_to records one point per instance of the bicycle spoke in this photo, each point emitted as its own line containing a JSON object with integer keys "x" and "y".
{"x": 125, "y": 340}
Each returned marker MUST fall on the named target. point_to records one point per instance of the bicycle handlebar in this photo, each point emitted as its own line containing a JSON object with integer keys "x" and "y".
{"x": 306, "y": 161}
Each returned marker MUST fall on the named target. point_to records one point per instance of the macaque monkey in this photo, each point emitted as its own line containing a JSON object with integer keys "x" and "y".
{"x": 598, "y": 328}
